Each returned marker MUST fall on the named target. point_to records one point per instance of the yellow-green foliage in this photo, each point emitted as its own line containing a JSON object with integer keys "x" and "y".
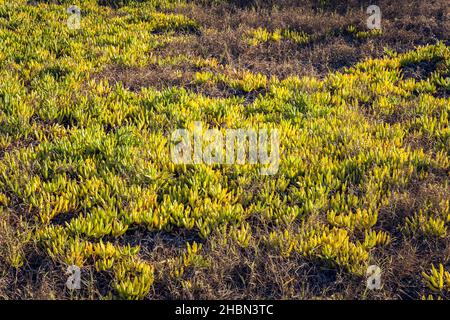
{"x": 364, "y": 34}
{"x": 330, "y": 245}
{"x": 13, "y": 240}
{"x": 243, "y": 81}
{"x": 438, "y": 280}
{"x": 99, "y": 153}
{"x": 261, "y": 35}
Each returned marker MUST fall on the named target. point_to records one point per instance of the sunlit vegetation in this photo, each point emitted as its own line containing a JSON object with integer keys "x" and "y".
{"x": 363, "y": 34}
{"x": 262, "y": 35}
{"x": 85, "y": 162}
{"x": 438, "y": 280}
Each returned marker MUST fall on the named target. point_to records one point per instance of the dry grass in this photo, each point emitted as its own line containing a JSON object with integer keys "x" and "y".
{"x": 405, "y": 24}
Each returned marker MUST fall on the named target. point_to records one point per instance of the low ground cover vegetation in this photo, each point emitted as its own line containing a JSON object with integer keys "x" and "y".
{"x": 86, "y": 177}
